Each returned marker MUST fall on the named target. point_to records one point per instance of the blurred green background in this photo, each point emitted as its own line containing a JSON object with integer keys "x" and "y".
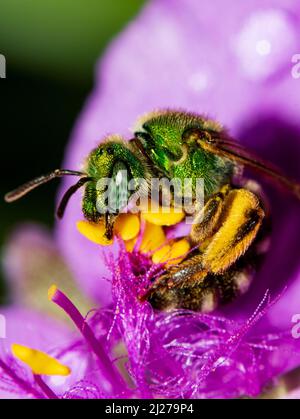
{"x": 51, "y": 48}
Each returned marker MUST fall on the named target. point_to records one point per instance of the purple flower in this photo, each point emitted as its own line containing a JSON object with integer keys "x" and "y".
{"x": 131, "y": 351}
{"x": 230, "y": 61}
{"x": 234, "y": 62}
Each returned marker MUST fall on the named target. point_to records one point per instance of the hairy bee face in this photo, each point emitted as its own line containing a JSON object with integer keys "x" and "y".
{"x": 102, "y": 163}
{"x": 110, "y": 167}
{"x": 102, "y": 159}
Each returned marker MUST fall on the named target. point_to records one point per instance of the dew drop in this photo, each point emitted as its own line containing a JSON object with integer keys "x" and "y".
{"x": 265, "y": 44}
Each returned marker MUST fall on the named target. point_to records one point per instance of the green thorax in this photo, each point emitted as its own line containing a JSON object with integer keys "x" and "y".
{"x": 214, "y": 170}
{"x": 164, "y": 143}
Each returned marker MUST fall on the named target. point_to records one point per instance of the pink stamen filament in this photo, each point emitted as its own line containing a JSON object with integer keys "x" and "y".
{"x": 109, "y": 372}
{"x": 24, "y": 385}
{"x": 44, "y": 387}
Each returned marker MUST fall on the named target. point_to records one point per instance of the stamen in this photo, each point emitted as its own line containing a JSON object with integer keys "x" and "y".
{"x": 164, "y": 216}
{"x": 153, "y": 238}
{"x": 95, "y": 232}
{"x": 108, "y": 370}
{"x": 162, "y": 255}
{"x": 130, "y": 245}
{"x": 172, "y": 254}
{"x": 39, "y": 362}
{"x": 127, "y": 226}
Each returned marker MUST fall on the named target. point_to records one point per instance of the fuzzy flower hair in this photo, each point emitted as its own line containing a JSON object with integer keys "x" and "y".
{"x": 129, "y": 350}
{"x": 235, "y": 62}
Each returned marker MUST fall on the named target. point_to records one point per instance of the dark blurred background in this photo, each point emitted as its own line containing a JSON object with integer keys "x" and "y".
{"x": 50, "y": 47}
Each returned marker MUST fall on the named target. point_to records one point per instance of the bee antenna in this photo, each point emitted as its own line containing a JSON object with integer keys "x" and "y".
{"x": 32, "y": 184}
{"x": 69, "y": 192}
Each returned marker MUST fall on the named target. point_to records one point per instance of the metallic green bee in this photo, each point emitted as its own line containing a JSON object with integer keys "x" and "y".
{"x": 228, "y": 231}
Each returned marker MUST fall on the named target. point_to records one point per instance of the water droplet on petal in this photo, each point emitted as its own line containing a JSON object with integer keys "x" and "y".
{"x": 265, "y": 44}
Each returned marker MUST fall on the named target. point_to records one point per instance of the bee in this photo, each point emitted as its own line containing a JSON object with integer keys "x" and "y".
{"x": 229, "y": 231}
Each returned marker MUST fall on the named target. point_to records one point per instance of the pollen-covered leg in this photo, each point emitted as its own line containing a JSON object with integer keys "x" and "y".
{"x": 188, "y": 271}
{"x": 207, "y": 220}
{"x": 239, "y": 223}
{"x": 214, "y": 289}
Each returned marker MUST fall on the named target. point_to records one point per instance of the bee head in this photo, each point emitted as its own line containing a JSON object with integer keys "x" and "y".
{"x": 117, "y": 171}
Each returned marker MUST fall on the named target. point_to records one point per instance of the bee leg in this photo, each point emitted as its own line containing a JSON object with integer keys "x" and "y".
{"x": 206, "y": 221}
{"x": 209, "y": 293}
{"x": 238, "y": 224}
{"x": 214, "y": 290}
{"x": 178, "y": 275}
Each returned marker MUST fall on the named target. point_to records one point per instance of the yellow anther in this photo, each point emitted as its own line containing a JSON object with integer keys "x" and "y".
{"x": 51, "y": 292}
{"x": 39, "y": 362}
{"x": 153, "y": 238}
{"x": 129, "y": 244}
{"x": 127, "y": 226}
{"x": 164, "y": 216}
{"x": 178, "y": 251}
{"x": 94, "y": 232}
{"x": 172, "y": 254}
{"x": 162, "y": 255}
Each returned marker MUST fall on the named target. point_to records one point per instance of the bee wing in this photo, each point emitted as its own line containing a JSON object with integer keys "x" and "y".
{"x": 233, "y": 150}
